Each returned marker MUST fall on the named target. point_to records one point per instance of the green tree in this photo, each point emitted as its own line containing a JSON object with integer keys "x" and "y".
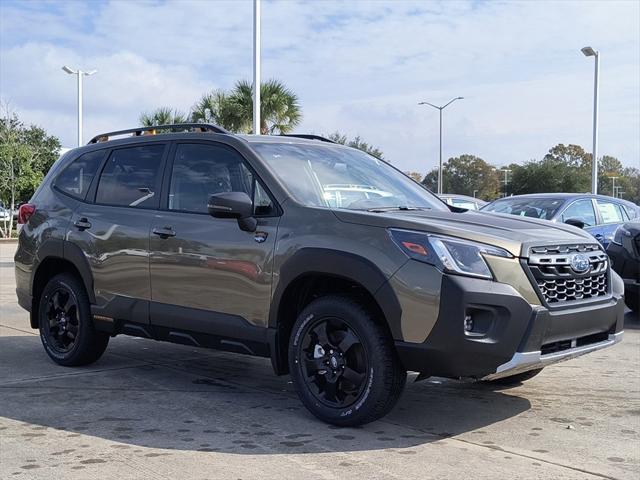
{"x": 162, "y": 116}
{"x": 358, "y": 143}
{"x": 609, "y": 167}
{"x": 629, "y": 183}
{"x": 215, "y": 107}
{"x": 466, "y": 175}
{"x": 417, "y": 176}
{"x": 26, "y": 155}
{"x": 565, "y": 168}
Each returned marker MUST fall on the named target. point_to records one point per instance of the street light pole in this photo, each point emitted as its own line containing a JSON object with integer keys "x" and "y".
{"x": 506, "y": 171}
{"x": 613, "y": 186}
{"x": 590, "y": 52}
{"x": 79, "y": 74}
{"x": 441, "y": 109}
{"x": 256, "y": 67}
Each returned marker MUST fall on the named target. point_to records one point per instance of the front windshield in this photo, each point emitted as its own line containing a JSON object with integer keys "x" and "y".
{"x": 339, "y": 177}
{"x": 544, "y": 208}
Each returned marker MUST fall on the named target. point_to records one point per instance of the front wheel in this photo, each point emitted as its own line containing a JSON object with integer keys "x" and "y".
{"x": 343, "y": 363}
{"x": 66, "y": 328}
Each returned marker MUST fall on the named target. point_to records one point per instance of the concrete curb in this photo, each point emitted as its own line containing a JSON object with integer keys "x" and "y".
{"x": 8, "y": 240}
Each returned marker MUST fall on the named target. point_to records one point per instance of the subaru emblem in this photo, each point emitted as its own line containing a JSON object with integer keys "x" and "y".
{"x": 579, "y": 263}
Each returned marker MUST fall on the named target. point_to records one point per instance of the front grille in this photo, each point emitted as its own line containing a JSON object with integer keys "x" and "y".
{"x": 557, "y": 280}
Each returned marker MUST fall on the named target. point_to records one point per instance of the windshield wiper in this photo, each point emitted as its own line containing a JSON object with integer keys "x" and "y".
{"x": 402, "y": 208}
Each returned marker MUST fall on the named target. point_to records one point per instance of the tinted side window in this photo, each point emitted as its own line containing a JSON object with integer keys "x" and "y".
{"x": 262, "y": 203}
{"x": 581, "y": 210}
{"x": 201, "y": 170}
{"x": 77, "y": 176}
{"x": 631, "y": 213}
{"x": 130, "y": 177}
{"x": 610, "y": 212}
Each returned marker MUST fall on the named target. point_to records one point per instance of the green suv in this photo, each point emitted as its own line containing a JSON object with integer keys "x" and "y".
{"x": 336, "y": 266}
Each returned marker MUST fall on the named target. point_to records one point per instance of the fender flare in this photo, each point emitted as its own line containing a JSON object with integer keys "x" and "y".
{"x": 60, "y": 249}
{"x": 309, "y": 261}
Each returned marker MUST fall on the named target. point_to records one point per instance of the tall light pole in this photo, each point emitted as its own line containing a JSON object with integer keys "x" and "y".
{"x": 506, "y": 171}
{"x": 80, "y": 74}
{"x": 590, "y": 52}
{"x": 256, "y": 67}
{"x": 441, "y": 109}
{"x": 613, "y": 186}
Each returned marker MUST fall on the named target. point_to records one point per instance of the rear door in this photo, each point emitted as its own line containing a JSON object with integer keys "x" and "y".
{"x": 112, "y": 229}
{"x": 207, "y": 275}
{"x": 611, "y": 217}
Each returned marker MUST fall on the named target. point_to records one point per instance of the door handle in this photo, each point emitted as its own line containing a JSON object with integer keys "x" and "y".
{"x": 82, "y": 224}
{"x": 164, "y": 232}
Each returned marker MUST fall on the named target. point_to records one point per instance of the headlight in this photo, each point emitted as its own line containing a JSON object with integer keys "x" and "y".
{"x": 448, "y": 253}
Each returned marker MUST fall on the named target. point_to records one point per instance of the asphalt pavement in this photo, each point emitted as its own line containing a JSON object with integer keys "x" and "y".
{"x": 160, "y": 411}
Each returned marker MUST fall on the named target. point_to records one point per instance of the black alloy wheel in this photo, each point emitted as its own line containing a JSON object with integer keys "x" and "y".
{"x": 343, "y": 361}
{"x": 62, "y": 316}
{"x": 335, "y": 362}
{"x": 66, "y": 325}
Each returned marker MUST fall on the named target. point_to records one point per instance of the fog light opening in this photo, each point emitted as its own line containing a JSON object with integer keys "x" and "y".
{"x": 468, "y": 323}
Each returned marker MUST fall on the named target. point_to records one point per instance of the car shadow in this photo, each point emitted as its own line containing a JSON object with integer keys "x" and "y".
{"x": 162, "y": 396}
{"x": 632, "y": 320}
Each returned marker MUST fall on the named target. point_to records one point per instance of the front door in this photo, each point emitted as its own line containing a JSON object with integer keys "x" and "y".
{"x": 207, "y": 275}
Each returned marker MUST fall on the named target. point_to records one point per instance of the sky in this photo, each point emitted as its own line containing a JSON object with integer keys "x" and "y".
{"x": 358, "y": 67}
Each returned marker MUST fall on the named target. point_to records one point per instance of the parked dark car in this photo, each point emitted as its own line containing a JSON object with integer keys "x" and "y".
{"x": 597, "y": 214}
{"x": 624, "y": 252}
{"x": 330, "y": 262}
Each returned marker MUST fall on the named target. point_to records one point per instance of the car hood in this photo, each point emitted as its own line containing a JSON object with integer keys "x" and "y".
{"x": 514, "y": 234}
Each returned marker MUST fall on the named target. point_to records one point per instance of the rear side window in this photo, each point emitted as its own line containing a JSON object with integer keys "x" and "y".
{"x": 77, "y": 176}
{"x": 610, "y": 212}
{"x": 130, "y": 177}
{"x": 580, "y": 210}
{"x": 631, "y": 213}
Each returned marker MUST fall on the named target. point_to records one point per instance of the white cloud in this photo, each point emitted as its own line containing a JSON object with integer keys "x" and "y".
{"x": 360, "y": 67}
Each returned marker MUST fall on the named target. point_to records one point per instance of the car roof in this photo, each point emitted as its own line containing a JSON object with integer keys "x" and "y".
{"x": 566, "y": 196}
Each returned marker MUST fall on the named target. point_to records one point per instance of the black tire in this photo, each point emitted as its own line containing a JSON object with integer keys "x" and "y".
{"x": 368, "y": 375}
{"x": 517, "y": 379}
{"x": 66, "y": 327}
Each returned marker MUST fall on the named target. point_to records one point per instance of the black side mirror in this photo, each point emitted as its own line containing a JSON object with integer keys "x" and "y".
{"x": 236, "y": 205}
{"x": 575, "y": 222}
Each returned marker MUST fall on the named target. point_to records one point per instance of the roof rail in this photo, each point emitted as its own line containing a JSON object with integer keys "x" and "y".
{"x": 204, "y": 127}
{"x": 307, "y": 136}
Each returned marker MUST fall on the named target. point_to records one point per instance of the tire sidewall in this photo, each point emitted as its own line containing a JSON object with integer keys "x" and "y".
{"x": 82, "y": 314}
{"x": 314, "y": 313}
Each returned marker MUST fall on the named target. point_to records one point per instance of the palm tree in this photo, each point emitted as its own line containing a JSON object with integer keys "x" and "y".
{"x": 215, "y": 107}
{"x": 279, "y": 108}
{"x": 162, "y": 116}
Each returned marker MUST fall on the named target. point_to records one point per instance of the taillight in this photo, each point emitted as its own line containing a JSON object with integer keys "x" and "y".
{"x": 25, "y": 211}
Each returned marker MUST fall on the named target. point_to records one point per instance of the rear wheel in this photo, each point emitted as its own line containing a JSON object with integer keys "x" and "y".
{"x": 66, "y": 328}
{"x": 343, "y": 363}
{"x": 517, "y": 379}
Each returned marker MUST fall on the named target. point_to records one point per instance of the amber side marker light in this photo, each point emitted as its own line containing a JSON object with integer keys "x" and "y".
{"x": 415, "y": 248}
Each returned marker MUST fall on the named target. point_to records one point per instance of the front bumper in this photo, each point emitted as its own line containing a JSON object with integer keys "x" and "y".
{"x": 509, "y": 335}
{"x": 525, "y": 361}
